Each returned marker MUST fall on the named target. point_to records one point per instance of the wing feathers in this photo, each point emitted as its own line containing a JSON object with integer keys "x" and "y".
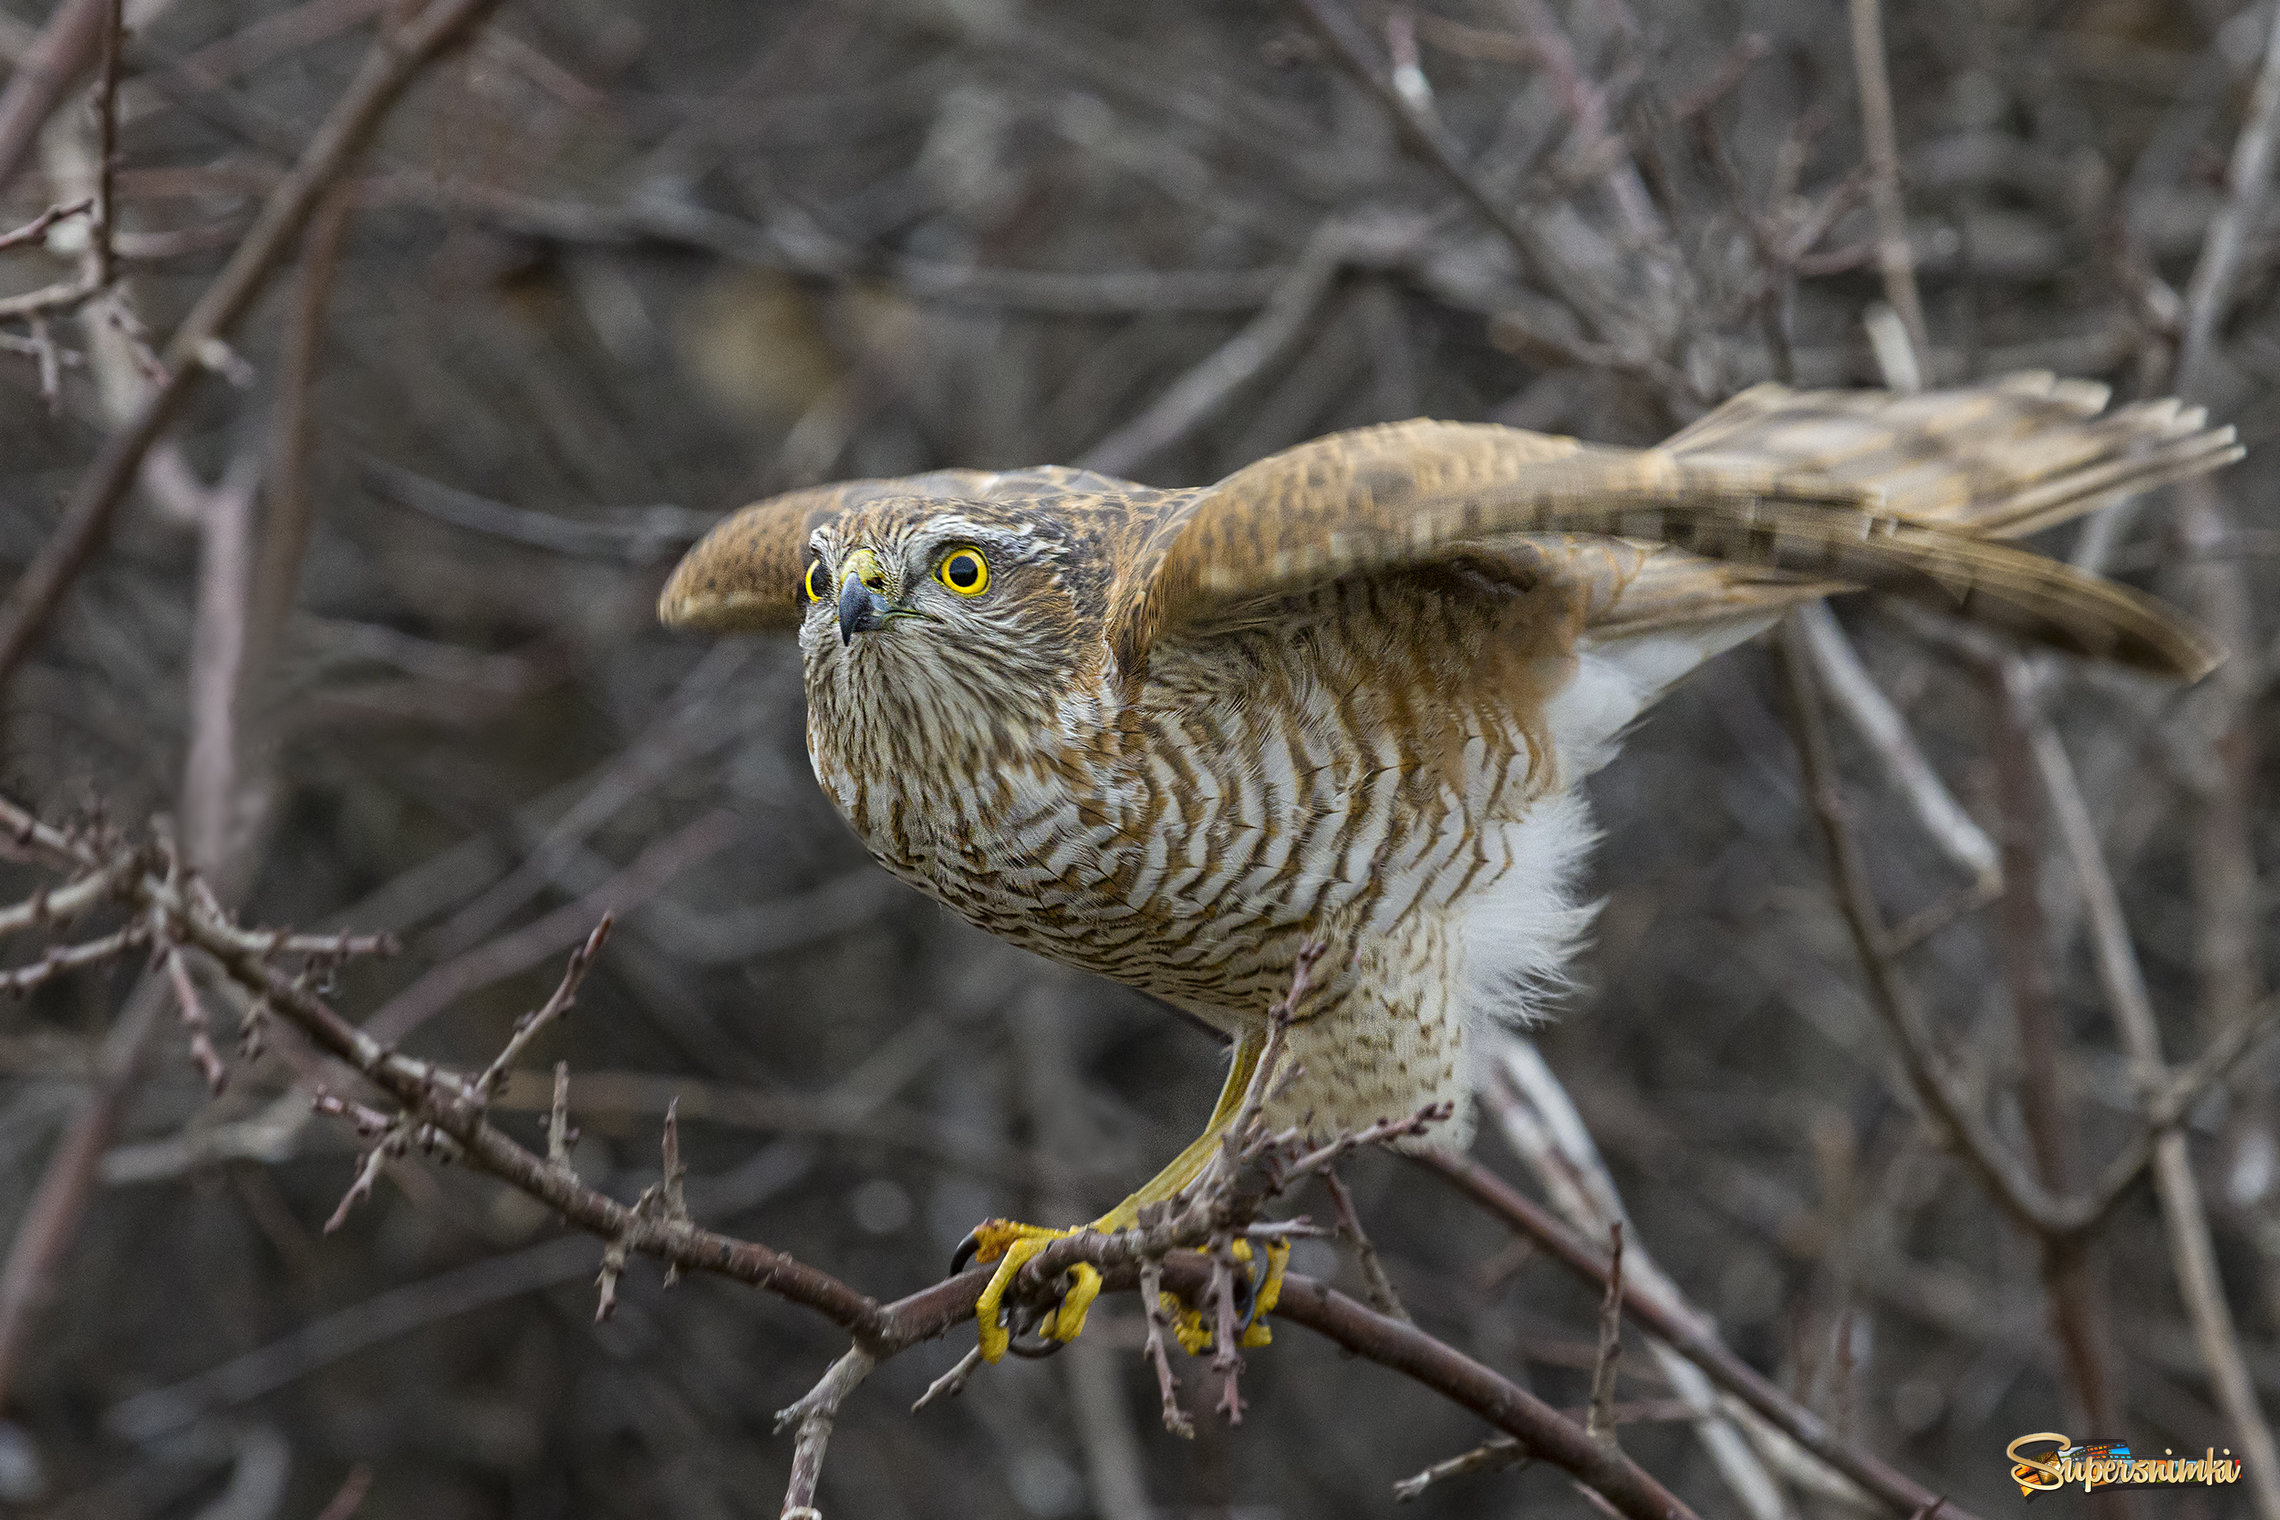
{"x": 1794, "y": 494}
{"x": 2001, "y": 460}
{"x": 1838, "y": 490}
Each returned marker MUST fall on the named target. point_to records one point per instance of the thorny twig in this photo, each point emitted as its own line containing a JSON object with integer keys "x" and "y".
{"x": 532, "y": 1024}
{"x": 1151, "y": 1302}
{"x": 444, "y": 1111}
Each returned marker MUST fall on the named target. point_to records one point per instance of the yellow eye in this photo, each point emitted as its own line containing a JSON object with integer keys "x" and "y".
{"x": 814, "y": 581}
{"x": 964, "y": 571}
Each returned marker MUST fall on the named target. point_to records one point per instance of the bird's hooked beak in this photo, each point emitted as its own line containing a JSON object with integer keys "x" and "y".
{"x": 862, "y": 601}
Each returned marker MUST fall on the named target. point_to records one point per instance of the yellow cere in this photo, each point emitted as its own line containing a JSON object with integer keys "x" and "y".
{"x": 964, "y": 571}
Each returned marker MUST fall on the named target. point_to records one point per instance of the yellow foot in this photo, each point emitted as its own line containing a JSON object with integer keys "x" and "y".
{"x": 1194, "y": 1329}
{"x": 1011, "y": 1246}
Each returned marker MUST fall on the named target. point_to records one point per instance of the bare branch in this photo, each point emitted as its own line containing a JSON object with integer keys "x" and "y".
{"x": 1600, "y": 1424}
{"x": 1874, "y": 718}
{"x": 1151, "y": 1296}
{"x": 814, "y": 1413}
{"x": 395, "y": 59}
{"x": 1892, "y": 255}
{"x": 1491, "y": 1455}
{"x": 36, "y": 230}
{"x": 1382, "y": 1297}
{"x": 194, "y": 1020}
{"x": 531, "y": 1025}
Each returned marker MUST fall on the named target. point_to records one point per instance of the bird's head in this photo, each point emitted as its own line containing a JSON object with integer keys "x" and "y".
{"x": 924, "y": 623}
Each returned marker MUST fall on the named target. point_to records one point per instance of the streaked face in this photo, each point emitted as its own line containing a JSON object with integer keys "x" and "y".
{"x": 930, "y": 627}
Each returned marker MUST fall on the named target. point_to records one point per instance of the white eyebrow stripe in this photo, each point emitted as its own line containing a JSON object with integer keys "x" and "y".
{"x": 954, "y": 523}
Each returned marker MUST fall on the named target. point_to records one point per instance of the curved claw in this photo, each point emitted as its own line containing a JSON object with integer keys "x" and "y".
{"x": 1035, "y": 1350}
{"x": 967, "y": 1250}
{"x": 1255, "y": 1332}
{"x": 1247, "y": 1289}
{"x": 1257, "y": 1292}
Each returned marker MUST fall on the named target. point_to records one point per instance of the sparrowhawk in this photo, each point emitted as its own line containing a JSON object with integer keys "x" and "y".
{"x": 1347, "y": 694}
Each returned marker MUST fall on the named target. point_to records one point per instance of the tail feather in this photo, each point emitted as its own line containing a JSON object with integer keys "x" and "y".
{"x": 1952, "y": 472}
{"x": 1999, "y": 461}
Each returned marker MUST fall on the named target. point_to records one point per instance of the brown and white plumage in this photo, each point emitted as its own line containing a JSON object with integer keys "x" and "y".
{"x": 1346, "y": 694}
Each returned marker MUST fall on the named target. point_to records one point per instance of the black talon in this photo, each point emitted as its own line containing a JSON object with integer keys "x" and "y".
{"x": 1247, "y": 1291}
{"x": 1040, "y": 1346}
{"x": 1036, "y": 1350}
{"x": 965, "y": 1252}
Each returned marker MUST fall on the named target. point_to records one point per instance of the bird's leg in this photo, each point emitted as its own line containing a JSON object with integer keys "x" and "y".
{"x": 1011, "y": 1244}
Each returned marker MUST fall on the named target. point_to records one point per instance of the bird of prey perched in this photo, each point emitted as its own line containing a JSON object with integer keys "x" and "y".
{"x": 1348, "y": 694}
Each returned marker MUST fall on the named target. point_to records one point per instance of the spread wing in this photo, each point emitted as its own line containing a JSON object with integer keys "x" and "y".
{"x": 744, "y": 576}
{"x": 1793, "y": 494}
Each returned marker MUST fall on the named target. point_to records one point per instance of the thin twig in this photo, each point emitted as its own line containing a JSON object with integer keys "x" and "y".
{"x": 814, "y": 1413}
{"x": 951, "y": 1383}
{"x": 1879, "y": 723}
{"x": 65, "y": 46}
{"x": 1203, "y": 391}
{"x": 642, "y": 878}
{"x": 564, "y": 997}
{"x": 1492, "y": 1455}
{"x": 558, "y": 1118}
{"x": 1382, "y": 1297}
{"x": 58, "y": 959}
{"x": 102, "y": 232}
{"x": 1167, "y": 1384}
{"x": 2077, "y": 1311}
{"x": 194, "y": 1020}
{"x": 36, "y": 230}
{"x": 1600, "y": 1423}
{"x": 2248, "y": 175}
{"x": 1892, "y": 256}
{"x": 2021, "y": 1196}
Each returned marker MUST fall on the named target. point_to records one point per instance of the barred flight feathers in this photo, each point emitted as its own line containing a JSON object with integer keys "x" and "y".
{"x": 1903, "y": 493}
{"x": 2001, "y": 460}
